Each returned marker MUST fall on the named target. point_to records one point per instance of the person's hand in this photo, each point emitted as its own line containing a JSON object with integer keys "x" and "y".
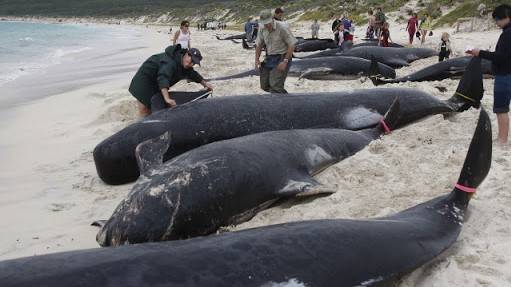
{"x": 257, "y": 64}
{"x": 208, "y": 86}
{"x": 282, "y": 66}
{"x": 473, "y": 52}
{"x": 171, "y": 102}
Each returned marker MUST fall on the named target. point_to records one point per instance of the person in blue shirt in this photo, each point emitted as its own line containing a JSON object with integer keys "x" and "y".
{"x": 248, "y": 29}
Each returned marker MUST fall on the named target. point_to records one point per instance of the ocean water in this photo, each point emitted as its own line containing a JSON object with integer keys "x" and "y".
{"x": 39, "y": 59}
{"x": 28, "y": 47}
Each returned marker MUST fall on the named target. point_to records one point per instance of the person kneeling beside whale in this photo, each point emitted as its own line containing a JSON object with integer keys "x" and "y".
{"x": 158, "y": 73}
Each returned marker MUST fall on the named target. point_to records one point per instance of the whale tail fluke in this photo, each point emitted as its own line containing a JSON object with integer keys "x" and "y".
{"x": 248, "y": 73}
{"x": 478, "y": 160}
{"x": 470, "y": 89}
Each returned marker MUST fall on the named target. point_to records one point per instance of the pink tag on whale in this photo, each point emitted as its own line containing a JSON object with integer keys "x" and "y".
{"x": 465, "y": 188}
{"x": 385, "y": 127}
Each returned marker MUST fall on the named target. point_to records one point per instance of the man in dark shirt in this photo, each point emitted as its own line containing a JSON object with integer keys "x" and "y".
{"x": 248, "y": 29}
{"x": 501, "y": 63}
{"x": 161, "y": 71}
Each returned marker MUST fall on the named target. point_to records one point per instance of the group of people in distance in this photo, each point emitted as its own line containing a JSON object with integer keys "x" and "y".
{"x": 160, "y": 72}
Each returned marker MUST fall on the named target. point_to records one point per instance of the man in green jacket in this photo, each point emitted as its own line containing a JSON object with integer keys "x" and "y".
{"x": 161, "y": 71}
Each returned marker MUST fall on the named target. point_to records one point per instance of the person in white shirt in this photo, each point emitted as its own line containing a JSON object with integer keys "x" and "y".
{"x": 182, "y": 36}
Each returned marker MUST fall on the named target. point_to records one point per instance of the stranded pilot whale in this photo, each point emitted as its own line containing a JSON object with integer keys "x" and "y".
{"x": 221, "y": 118}
{"x": 228, "y": 182}
{"x": 328, "y": 68}
{"x": 446, "y": 69}
{"x": 319, "y": 253}
{"x": 393, "y": 57}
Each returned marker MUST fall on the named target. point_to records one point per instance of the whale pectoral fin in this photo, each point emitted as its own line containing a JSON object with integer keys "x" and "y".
{"x": 311, "y": 73}
{"x": 149, "y": 153}
{"x": 359, "y": 118}
{"x": 98, "y": 223}
{"x": 305, "y": 187}
{"x": 397, "y": 62}
{"x": 456, "y": 70}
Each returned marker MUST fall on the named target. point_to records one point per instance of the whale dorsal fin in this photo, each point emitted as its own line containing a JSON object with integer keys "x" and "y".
{"x": 358, "y": 118}
{"x": 304, "y": 185}
{"x": 149, "y": 153}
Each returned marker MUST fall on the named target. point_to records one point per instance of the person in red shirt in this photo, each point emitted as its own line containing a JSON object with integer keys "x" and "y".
{"x": 412, "y": 27}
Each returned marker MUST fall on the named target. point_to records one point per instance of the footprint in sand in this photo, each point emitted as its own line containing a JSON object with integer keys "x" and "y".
{"x": 501, "y": 161}
{"x": 377, "y": 147}
{"x": 56, "y": 207}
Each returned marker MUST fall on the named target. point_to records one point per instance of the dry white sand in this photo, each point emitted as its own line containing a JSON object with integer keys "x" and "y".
{"x": 50, "y": 192}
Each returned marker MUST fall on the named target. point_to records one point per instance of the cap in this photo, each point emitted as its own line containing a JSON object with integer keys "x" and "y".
{"x": 265, "y": 17}
{"x": 196, "y": 55}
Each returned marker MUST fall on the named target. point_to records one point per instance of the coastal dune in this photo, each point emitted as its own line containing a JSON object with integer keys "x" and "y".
{"x": 50, "y": 192}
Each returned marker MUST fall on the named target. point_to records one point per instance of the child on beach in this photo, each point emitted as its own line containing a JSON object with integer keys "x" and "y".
{"x": 339, "y": 35}
{"x": 501, "y": 64}
{"x": 444, "y": 47}
{"x": 385, "y": 35}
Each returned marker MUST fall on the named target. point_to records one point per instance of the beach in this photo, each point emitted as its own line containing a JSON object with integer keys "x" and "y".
{"x": 50, "y": 192}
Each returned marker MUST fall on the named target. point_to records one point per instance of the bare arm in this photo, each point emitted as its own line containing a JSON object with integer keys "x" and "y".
{"x": 166, "y": 97}
{"x": 175, "y": 37}
{"x": 207, "y": 85}
{"x": 259, "y": 49}
{"x": 290, "y": 51}
{"x": 283, "y": 65}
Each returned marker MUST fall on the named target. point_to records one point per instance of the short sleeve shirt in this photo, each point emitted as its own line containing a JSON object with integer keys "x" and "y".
{"x": 277, "y": 41}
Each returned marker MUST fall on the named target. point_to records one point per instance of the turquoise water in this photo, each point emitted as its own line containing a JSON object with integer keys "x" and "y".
{"x": 39, "y": 60}
{"x": 27, "y": 47}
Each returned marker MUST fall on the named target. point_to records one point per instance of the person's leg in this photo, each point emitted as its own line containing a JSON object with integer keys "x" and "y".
{"x": 157, "y": 102}
{"x": 277, "y": 80}
{"x": 264, "y": 79}
{"x": 143, "y": 111}
{"x": 501, "y": 101}
{"x": 503, "y": 124}
{"x": 424, "y": 32}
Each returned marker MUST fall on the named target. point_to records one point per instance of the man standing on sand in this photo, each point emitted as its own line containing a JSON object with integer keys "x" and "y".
{"x": 280, "y": 45}
{"x": 501, "y": 64}
{"x": 248, "y": 30}
{"x": 380, "y": 19}
{"x": 151, "y": 83}
{"x": 315, "y": 29}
